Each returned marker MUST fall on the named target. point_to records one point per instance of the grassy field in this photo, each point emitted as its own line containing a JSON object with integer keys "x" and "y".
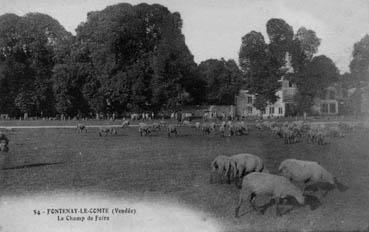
{"x": 42, "y": 160}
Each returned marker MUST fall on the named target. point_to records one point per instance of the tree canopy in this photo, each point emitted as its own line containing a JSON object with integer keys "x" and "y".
{"x": 359, "y": 65}
{"x": 28, "y": 46}
{"x": 262, "y": 63}
{"x": 129, "y": 58}
{"x": 223, "y": 80}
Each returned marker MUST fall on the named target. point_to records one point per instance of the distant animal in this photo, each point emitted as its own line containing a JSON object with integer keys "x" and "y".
{"x": 222, "y": 128}
{"x": 207, "y": 128}
{"x": 144, "y": 129}
{"x": 172, "y": 129}
{"x": 4, "y": 143}
{"x": 81, "y": 127}
{"x": 186, "y": 123}
{"x": 156, "y": 126}
{"x": 107, "y": 130}
{"x": 125, "y": 123}
{"x": 238, "y": 128}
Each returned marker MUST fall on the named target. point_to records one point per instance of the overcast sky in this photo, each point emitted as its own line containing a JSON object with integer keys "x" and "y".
{"x": 213, "y": 28}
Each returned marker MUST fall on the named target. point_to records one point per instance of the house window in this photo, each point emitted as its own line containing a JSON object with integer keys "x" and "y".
{"x": 271, "y": 110}
{"x": 332, "y": 95}
{"x": 324, "y": 108}
{"x": 249, "y": 110}
{"x": 249, "y": 100}
{"x": 280, "y": 110}
{"x": 332, "y": 108}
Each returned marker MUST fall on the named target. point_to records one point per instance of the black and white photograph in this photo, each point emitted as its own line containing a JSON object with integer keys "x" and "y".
{"x": 184, "y": 116}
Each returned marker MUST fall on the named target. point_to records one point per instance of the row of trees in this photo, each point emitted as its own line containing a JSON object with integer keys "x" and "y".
{"x": 134, "y": 58}
{"x": 123, "y": 58}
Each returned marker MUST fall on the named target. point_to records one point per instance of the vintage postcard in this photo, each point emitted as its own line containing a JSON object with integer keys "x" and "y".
{"x": 197, "y": 115}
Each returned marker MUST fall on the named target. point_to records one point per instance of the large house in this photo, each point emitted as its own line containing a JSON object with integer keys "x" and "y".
{"x": 245, "y": 101}
{"x": 330, "y": 104}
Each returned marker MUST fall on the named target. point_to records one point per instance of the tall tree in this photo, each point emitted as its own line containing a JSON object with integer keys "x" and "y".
{"x": 260, "y": 68}
{"x": 28, "y": 46}
{"x": 317, "y": 75}
{"x": 223, "y": 80}
{"x": 303, "y": 48}
{"x": 280, "y": 35}
{"x": 359, "y": 65}
{"x": 138, "y": 59}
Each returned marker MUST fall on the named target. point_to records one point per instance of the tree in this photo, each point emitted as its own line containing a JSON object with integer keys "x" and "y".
{"x": 280, "y": 35}
{"x": 28, "y": 46}
{"x": 223, "y": 80}
{"x": 308, "y": 70}
{"x": 303, "y": 47}
{"x": 316, "y": 76}
{"x": 137, "y": 59}
{"x": 260, "y": 68}
{"x": 359, "y": 65}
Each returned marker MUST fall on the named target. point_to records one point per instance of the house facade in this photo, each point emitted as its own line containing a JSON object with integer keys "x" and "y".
{"x": 331, "y": 103}
{"x": 245, "y": 101}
